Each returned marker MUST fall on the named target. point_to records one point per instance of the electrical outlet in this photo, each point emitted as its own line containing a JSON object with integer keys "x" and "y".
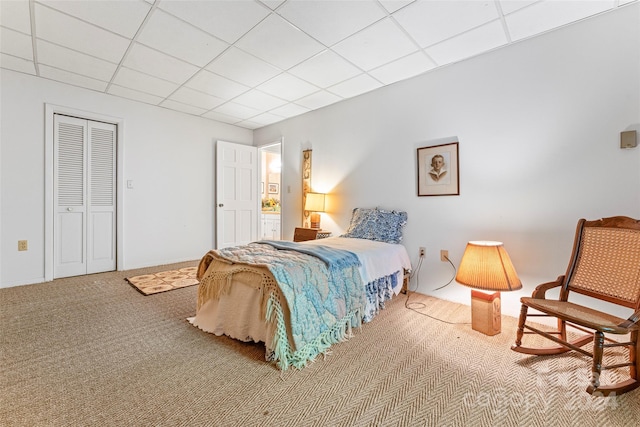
{"x": 422, "y": 251}
{"x": 444, "y": 255}
{"x": 22, "y": 245}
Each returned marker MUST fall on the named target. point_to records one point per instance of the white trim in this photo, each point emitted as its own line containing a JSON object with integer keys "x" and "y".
{"x": 50, "y": 110}
{"x": 259, "y": 175}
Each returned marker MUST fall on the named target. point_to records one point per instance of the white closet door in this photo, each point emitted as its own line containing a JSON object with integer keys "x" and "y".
{"x": 101, "y": 217}
{"x": 70, "y": 198}
{"x": 84, "y": 196}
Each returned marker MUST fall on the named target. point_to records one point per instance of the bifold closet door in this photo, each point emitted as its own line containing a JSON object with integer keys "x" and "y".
{"x": 84, "y": 196}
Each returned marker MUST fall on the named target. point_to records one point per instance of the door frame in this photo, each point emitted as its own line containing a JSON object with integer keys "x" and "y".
{"x": 261, "y": 148}
{"x": 49, "y": 217}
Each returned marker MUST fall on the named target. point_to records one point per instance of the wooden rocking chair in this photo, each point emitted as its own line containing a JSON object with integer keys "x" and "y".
{"x": 605, "y": 264}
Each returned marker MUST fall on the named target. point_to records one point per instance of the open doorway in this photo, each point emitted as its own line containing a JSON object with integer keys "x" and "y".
{"x": 270, "y": 188}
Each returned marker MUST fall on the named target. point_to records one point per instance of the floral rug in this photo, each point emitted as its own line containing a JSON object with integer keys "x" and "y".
{"x": 164, "y": 281}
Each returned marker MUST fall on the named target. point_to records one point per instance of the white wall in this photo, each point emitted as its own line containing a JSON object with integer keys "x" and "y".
{"x": 168, "y": 216}
{"x": 538, "y": 124}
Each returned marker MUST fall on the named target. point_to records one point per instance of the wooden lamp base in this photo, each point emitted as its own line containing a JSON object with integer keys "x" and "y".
{"x": 315, "y": 220}
{"x": 485, "y": 312}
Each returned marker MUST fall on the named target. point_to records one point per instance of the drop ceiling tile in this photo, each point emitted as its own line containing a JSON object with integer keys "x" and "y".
{"x": 393, "y": 5}
{"x": 168, "y": 34}
{"x": 227, "y": 20}
{"x": 510, "y": 6}
{"x": 355, "y": 86}
{"x": 121, "y": 17}
{"x": 135, "y": 95}
{"x": 544, "y": 16}
{"x": 15, "y": 15}
{"x": 66, "y": 31}
{"x": 259, "y": 100}
{"x": 279, "y": 43}
{"x": 237, "y": 110}
{"x": 319, "y": 99}
{"x": 214, "y": 115}
{"x": 290, "y": 110}
{"x": 325, "y": 69}
{"x": 287, "y": 87}
{"x": 192, "y": 97}
{"x": 136, "y": 80}
{"x": 216, "y": 85}
{"x": 17, "y": 64}
{"x": 71, "y": 78}
{"x": 378, "y": 44}
{"x": 158, "y": 64}
{"x": 273, "y": 4}
{"x": 76, "y": 62}
{"x": 249, "y": 124}
{"x": 403, "y": 68}
{"x": 332, "y": 21}
{"x": 16, "y": 44}
{"x": 430, "y": 22}
{"x": 241, "y": 67}
{"x": 266, "y": 119}
{"x": 178, "y": 106}
{"x": 469, "y": 44}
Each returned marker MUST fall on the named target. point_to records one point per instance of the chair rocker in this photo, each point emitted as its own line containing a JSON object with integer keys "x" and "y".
{"x": 605, "y": 265}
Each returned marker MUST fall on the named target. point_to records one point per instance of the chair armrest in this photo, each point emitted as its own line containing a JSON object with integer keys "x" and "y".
{"x": 632, "y": 320}
{"x": 540, "y": 290}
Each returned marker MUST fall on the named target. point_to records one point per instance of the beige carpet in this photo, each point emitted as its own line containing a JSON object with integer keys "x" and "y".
{"x": 92, "y": 351}
{"x": 162, "y": 281}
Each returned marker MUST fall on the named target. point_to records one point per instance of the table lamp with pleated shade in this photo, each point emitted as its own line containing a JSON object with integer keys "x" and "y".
{"x": 486, "y": 266}
{"x": 314, "y": 203}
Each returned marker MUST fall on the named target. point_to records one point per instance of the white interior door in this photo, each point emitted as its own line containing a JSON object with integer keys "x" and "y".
{"x": 101, "y": 218}
{"x": 236, "y": 194}
{"x": 70, "y": 201}
{"x": 84, "y": 196}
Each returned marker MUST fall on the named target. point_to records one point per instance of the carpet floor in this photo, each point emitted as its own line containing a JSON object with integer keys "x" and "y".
{"x": 91, "y": 350}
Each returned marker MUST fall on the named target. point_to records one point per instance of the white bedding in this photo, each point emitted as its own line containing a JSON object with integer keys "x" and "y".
{"x": 378, "y": 259}
{"x": 237, "y": 313}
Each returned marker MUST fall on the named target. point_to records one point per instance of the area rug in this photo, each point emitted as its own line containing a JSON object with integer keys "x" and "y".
{"x": 163, "y": 281}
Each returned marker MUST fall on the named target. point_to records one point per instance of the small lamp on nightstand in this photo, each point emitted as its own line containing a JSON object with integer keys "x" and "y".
{"x": 314, "y": 204}
{"x": 487, "y": 266}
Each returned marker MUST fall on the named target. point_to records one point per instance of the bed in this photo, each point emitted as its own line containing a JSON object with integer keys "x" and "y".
{"x": 299, "y": 298}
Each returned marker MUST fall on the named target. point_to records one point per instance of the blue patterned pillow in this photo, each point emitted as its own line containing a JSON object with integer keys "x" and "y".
{"x": 377, "y": 224}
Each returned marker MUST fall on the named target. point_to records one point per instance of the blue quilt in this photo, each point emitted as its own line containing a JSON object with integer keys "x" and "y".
{"x": 322, "y": 288}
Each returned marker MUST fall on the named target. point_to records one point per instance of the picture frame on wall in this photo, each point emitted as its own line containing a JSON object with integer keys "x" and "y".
{"x": 274, "y": 188}
{"x": 438, "y": 170}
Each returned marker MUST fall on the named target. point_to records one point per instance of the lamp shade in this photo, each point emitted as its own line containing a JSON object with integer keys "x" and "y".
{"x": 486, "y": 265}
{"x": 314, "y": 202}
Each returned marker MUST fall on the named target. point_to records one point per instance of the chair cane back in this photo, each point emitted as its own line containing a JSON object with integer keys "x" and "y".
{"x": 605, "y": 265}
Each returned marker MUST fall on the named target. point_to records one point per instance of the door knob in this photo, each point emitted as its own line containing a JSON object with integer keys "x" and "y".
{"x": 69, "y": 209}
{"x": 220, "y": 205}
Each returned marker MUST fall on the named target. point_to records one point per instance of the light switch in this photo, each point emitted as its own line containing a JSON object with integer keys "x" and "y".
{"x": 129, "y": 183}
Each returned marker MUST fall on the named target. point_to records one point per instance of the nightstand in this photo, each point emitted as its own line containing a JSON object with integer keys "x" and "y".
{"x": 301, "y": 234}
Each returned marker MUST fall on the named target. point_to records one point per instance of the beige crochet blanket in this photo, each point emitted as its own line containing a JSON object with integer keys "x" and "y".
{"x": 217, "y": 275}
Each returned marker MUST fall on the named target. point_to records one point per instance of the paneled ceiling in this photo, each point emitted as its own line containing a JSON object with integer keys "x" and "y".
{"x": 256, "y": 62}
